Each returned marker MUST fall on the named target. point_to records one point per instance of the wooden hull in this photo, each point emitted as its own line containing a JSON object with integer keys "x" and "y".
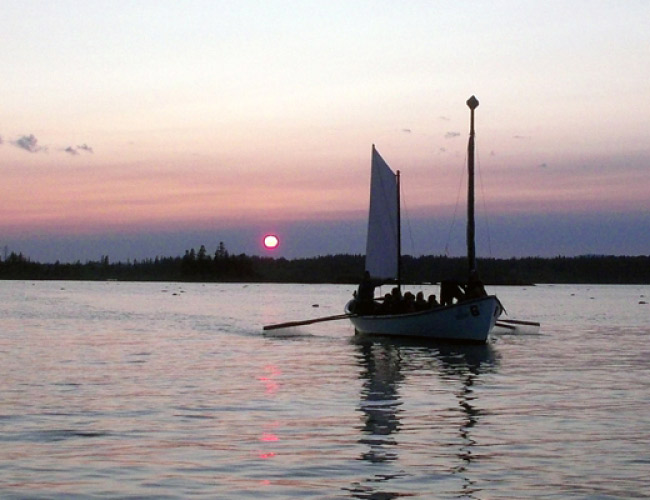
{"x": 467, "y": 321}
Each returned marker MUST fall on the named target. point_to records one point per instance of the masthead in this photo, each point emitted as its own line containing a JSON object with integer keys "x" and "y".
{"x": 472, "y": 102}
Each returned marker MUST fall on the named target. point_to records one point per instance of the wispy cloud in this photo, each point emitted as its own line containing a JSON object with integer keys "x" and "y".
{"x": 75, "y": 150}
{"x": 451, "y": 135}
{"x": 406, "y": 130}
{"x": 521, "y": 137}
{"x": 29, "y": 143}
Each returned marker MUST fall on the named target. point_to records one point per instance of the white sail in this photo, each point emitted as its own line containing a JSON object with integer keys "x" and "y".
{"x": 382, "y": 246}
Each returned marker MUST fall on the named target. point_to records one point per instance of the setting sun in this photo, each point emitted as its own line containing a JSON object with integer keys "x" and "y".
{"x": 271, "y": 241}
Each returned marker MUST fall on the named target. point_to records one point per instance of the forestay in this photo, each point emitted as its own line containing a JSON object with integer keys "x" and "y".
{"x": 382, "y": 247}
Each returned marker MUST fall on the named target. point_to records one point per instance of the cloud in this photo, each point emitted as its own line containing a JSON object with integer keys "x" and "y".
{"x": 406, "y": 130}
{"x": 29, "y": 143}
{"x": 1, "y": 139}
{"x": 444, "y": 118}
{"x": 451, "y": 135}
{"x": 524, "y": 137}
{"x": 75, "y": 150}
{"x": 542, "y": 165}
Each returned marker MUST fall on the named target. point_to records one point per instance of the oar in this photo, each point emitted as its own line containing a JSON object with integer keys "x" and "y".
{"x": 289, "y": 324}
{"x": 503, "y": 325}
{"x": 520, "y": 322}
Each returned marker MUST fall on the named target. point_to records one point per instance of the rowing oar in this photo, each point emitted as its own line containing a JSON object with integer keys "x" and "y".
{"x": 503, "y": 325}
{"x": 289, "y": 324}
{"x": 519, "y": 322}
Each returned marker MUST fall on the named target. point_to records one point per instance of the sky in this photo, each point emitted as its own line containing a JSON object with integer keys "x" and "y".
{"x": 142, "y": 129}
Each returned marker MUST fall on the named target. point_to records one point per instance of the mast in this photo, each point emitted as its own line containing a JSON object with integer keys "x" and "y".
{"x": 399, "y": 236}
{"x": 472, "y": 103}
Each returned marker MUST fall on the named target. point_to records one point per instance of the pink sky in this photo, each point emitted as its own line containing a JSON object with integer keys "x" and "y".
{"x": 247, "y": 114}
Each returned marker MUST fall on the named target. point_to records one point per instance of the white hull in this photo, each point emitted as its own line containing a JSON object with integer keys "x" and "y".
{"x": 467, "y": 321}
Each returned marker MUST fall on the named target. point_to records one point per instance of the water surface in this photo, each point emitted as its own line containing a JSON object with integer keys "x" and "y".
{"x": 158, "y": 390}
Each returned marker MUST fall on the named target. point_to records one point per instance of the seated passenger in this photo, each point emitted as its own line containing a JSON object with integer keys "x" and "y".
{"x": 386, "y": 306}
{"x": 396, "y": 301}
{"x": 409, "y": 303}
{"x": 433, "y": 302}
{"x": 420, "y": 303}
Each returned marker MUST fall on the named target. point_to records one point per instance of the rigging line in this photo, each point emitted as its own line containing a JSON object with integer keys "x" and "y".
{"x": 485, "y": 210}
{"x": 453, "y": 219}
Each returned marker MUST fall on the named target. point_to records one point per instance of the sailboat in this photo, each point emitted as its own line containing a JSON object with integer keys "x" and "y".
{"x": 470, "y": 319}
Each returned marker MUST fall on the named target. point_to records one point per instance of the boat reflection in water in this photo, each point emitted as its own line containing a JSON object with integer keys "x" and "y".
{"x": 448, "y": 413}
{"x": 380, "y": 400}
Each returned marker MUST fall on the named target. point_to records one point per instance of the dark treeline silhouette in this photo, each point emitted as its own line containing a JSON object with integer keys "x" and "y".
{"x": 221, "y": 266}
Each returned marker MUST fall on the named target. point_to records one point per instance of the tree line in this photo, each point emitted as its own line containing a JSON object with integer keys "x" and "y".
{"x": 222, "y": 266}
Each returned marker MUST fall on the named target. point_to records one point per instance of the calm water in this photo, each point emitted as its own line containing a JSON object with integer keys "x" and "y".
{"x": 154, "y": 390}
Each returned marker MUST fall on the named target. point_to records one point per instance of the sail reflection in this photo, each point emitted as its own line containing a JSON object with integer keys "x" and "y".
{"x": 386, "y": 365}
{"x": 380, "y": 400}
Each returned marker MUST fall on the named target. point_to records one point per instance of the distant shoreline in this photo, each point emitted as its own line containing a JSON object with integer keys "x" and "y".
{"x": 199, "y": 266}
